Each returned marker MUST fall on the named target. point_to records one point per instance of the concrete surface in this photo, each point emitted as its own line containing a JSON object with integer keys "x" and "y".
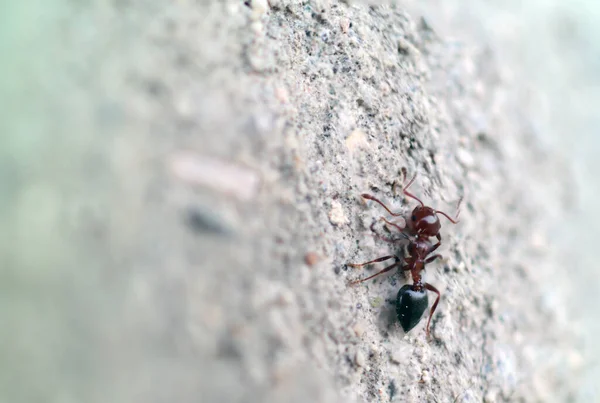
{"x": 181, "y": 194}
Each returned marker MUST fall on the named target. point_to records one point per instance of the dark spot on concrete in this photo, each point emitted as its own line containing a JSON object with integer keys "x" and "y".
{"x": 202, "y": 221}
{"x": 392, "y": 388}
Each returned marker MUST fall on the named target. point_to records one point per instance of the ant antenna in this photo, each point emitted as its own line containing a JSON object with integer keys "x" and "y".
{"x": 448, "y": 217}
{"x": 410, "y": 194}
{"x": 455, "y": 221}
{"x": 404, "y": 189}
{"x": 368, "y": 196}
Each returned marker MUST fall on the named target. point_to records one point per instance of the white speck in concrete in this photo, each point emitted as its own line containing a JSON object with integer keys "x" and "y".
{"x": 336, "y": 214}
{"x": 360, "y": 359}
{"x": 357, "y": 139}
{"x": 359, "y": 328}
{"x": 465, "y": 158}
{"x": 259, "y": 7}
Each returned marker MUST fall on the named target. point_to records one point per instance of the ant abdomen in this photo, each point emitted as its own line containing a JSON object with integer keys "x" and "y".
{"x": 410, "y": 306}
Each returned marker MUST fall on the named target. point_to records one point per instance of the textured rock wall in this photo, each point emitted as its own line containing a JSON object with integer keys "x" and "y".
{"x": 195, "y": 197}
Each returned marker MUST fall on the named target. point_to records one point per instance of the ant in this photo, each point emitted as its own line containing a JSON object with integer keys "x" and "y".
{"x": 423, "y": 223}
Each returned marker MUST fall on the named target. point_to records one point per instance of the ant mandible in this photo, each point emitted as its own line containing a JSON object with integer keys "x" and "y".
{"x": 424, "y": 223}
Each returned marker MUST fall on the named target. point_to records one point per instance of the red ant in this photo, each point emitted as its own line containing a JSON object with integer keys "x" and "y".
{"x": 412, "y": 301}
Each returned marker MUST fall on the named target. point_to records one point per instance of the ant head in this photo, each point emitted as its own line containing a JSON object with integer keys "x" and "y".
{"x": 424, "y": 221}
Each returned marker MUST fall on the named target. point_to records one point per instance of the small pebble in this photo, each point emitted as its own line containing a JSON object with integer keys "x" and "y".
{"x": 222, "y": 176}
{"x": 357, "y": 139}
{"x": 311, "y": 258}
{"x": 257, "y": 27}
{"x": 406, "y": 48}
{"x": 425, "y": 377}
{"x": 344, "y": 24}
{"x": 359, "y": 329}
{"x": 491, "y": 396}
{"x": 360, "y": 359}
{"x": 336, "y": 214}
{"x": 376, "y": 302}
{"x": 285, "y": 297}
{"x": 465, "y": 158}
{"x": 282, "y": 95}
{"x": 396, "y": 357}
{"x": 259, "y": 7}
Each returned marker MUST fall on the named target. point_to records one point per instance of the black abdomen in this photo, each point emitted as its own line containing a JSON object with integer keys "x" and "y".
{"x": 410, "y": 305}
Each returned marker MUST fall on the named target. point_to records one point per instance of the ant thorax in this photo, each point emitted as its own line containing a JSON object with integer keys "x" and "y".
{"x": 417, "y": 248}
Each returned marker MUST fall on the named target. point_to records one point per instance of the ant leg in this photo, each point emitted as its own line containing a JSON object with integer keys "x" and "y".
{"x": 368, "y": 196}
{"x": 435, "y": 304}
{"x": 455, "y": 221}
{"x": 381, "y": 272}
{"x": 432, "y": 258}
{"x": 434, "y": 247}
{"x": 437, "y": 245}
{"x": 393, "y": 225}
{"x": 381, "y": 259}
{"x": 386, "y": 239}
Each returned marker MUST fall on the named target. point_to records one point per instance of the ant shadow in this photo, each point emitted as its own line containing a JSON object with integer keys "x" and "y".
{"x": 387, "y": 318}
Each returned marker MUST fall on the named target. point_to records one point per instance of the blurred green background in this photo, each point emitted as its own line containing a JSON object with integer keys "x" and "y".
{"x": 55, "y": 179}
